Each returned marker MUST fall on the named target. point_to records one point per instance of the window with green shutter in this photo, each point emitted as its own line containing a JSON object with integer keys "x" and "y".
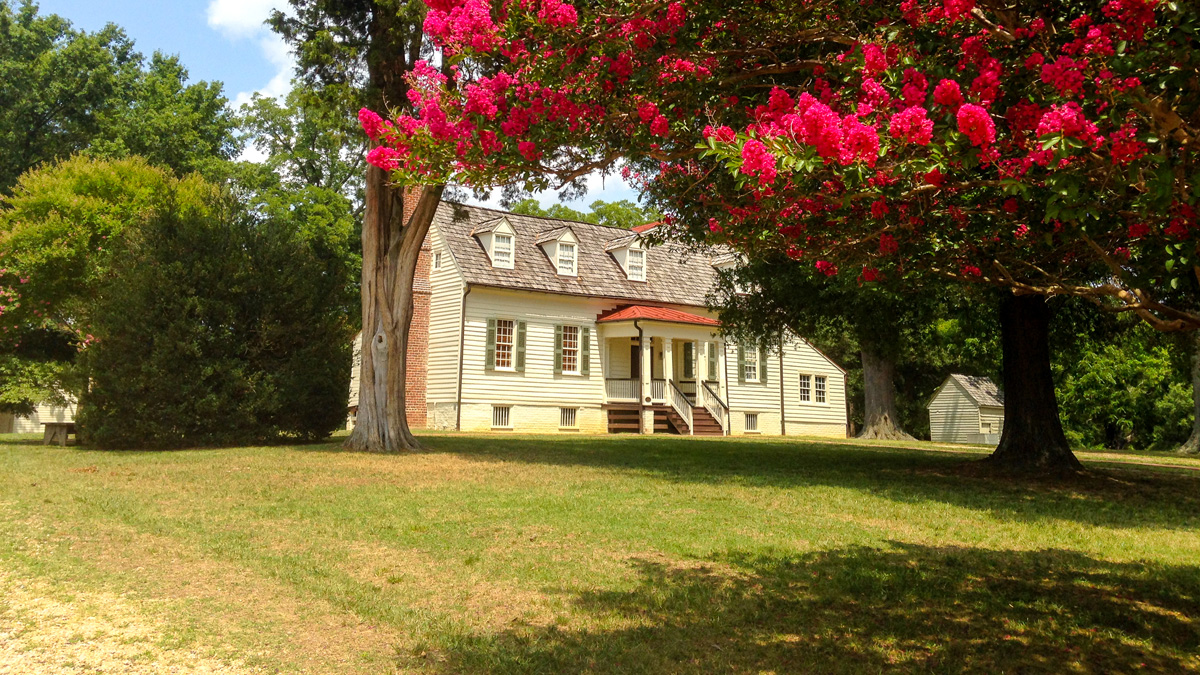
{"x": 713, "y": 375}
{"x": 558, "y": 345}
{"x": 489, "y": 361}
{"x": 585, "y": 356}
{"x": 689, "y": 360}
{"x": 741, "y": 364}
{"x": 762, "y": 365}
{"x": 520, "y": 346}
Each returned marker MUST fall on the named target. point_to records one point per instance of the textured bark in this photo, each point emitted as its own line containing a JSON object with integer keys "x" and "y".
{"x": 1192, "y": 445}
{"x": 880, "y": 421}
{"x": 1033, "y": 436}
{"x": 391, "y": 249}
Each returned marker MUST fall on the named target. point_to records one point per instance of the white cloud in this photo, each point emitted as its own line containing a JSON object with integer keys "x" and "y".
{"x": 244, "y": 20}
{"x": 240, "y": 18}
{"x": 611, "y": 188}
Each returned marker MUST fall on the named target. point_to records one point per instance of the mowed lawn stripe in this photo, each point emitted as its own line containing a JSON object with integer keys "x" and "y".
{"x": 525, "y": 554}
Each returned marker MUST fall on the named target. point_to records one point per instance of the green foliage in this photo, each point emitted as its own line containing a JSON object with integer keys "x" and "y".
{"x": 218, "y": 329}
{"x": 623, "y": 213}
{"x": 66, "y": 91}
{"x": 1130, "y": 391}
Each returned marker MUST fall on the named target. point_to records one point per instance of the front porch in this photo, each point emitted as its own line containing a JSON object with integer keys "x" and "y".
{"x": 664, "y": 373}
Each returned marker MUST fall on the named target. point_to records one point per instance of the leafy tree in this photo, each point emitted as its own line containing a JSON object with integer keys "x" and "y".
{"x": 361, "y": 50}
{"x": 1047, "y": 150}
{"x": 218, "y": 328}
{"x": 66, "y": 91}
{"x": 622, "y": 213}
{"x": 58, "y": 232}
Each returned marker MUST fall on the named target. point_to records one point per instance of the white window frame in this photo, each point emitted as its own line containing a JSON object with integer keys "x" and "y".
{"x": 511, "y": 345}
{"x": 805, "y": 388}
{"x": 750, "y": 359}
{"x": 820, "y": 389}
{"x": 506, "y": 262}
{"x": 751, "y": 423}
{"x": 437, "y": 260}
{"x": 573, "y": 260}
{"x": 636, "y": 272}
{"x": 576, "y": 352}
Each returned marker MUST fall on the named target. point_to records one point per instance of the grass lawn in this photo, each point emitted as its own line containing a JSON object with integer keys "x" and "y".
{"x": 609, "y": 555}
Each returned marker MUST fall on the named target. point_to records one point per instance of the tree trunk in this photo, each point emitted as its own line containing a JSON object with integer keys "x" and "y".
{"x": 391, "y": 248}
{"x": 880, "y": 421}
{"x": 1033, "y": 437}
{"x": 1192, "y": 445}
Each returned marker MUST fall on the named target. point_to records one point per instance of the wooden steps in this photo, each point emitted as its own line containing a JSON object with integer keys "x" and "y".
{"x": 624, "y": 419}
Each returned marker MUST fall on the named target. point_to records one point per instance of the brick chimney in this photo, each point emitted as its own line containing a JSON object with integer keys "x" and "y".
{"x": 417, "y": 359}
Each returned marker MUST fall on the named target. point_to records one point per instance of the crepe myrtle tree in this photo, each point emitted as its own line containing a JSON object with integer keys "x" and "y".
{"x": 1048, "y": 149}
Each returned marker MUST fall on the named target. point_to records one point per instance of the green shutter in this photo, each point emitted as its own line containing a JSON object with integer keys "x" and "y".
{"x": 489, "y": 362}
{"x": 712, "y": 362}
{"x": 762, "y": 365}
{"x": 741, "y": 364}
{"x": 558, "y": 331}
{"x": 585, "y": 356}
{"x": 520, "y": 358}
{"x": 689, "y": 363}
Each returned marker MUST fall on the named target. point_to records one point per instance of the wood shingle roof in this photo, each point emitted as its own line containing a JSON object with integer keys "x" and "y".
{"x": 672, "y": 275}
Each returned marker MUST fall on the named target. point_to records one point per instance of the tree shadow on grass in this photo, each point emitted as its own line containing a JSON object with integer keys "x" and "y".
{"x": 1121, "y": 497}
{"x": 907, "y": 608}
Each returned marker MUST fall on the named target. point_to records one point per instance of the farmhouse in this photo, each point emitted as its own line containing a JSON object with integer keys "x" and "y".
{"x": 966, "y": 409}
{"x": 531, "y": 324}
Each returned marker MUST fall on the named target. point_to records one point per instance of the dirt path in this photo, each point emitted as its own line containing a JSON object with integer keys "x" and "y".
{"x": 92, "y": 633}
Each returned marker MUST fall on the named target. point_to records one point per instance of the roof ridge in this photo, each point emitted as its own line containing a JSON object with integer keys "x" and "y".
{"x": 525, "y": 215}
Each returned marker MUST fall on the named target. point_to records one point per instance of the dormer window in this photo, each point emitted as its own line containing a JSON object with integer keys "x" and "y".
{"x": 498, "y": 239}
{"x": 502, "y": 251}
{"x": 567, "y": 259}
{"x": 635, "y": 268}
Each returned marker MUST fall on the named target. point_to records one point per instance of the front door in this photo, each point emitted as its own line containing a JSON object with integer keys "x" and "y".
{"x": 635, "y": 362}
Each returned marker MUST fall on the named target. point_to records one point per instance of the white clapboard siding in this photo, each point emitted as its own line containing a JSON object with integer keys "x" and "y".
{"x": 810, "y": 418}
{"x": 538, "y": 385}
{"x": 953, "y": 415}
{"x": 445, "y": 320}
{"x": 43, "y": 413}
{"x": 989, "y": 415}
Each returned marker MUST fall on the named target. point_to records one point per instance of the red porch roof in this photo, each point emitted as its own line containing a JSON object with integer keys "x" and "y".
{"x": 655, "y": 314}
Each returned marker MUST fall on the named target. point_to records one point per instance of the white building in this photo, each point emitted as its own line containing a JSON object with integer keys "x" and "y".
{"x": 543, "y": 325}
{"x": 967, "y": 409}
{"x": 32, "y": 424}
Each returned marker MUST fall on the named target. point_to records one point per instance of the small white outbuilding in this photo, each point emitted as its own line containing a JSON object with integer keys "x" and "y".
{"x": 967, "y": 409}
{"x": 33, "y": 424}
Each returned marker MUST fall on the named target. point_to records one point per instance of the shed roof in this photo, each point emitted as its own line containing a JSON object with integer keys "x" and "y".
{"x": 631, "y": 312}
{"x": 672, "y": 276}
{"x": 981, "y": 389}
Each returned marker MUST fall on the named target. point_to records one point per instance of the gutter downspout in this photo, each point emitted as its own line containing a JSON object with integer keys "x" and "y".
{"x": 782, "y": 407}
{"x": 641, "y": 375}
{"x": 462, "y": 336}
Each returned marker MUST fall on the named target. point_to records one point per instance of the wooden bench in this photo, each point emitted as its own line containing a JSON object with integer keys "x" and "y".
{"x": 57, "y": 432}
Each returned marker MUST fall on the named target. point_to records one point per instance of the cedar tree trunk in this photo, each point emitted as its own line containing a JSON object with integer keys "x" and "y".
{"x": 880, "y": 421}
{"x": 1192, "y": 445}
{"x": 391, "y": 248}
{"x": 1033, "y": 437}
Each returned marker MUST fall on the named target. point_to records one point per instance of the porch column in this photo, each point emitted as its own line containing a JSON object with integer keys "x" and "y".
{"x": 668, "y": 362}
{"x": 647, "y": 368}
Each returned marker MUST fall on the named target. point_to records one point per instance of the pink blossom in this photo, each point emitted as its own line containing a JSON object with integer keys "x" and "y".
{"x": 1126, "y": 147}
{"x": 1065, "y": 75}
{"x": 912, "y": 126}
{"x": 384, "y": 157}
{"x": 529, "y": 150}
{"x": 660, "y": 126}
{"x": 558, "y": 13}
{"x": 861, "y": 142}
{"x": 875, "y": 60}
{"x": 888, "y": 244}
{"x": 371, "y": 123}
{"x": 758, "y": 160}
{"x": 827, "y": 268}
{"x": 976, "y": 123}
{"x": 948, "y": 95}
{"x": 647, "y": 112}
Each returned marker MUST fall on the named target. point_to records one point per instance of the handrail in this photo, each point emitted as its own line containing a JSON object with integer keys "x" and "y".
{"x": 622, "y": 388}
{"x": 716, "y": 407}
{"x": 682, "y": 406}
{"x": 658, "y": 390}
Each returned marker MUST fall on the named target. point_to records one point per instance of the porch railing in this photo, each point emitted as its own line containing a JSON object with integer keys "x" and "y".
{"x": 622, "y": 389}
{"x": 715, "y": 406}
{"x": 658, "y": 390}
{"x": 682, "y": 407}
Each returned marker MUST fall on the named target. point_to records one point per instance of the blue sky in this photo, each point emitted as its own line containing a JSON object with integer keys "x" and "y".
{"x": 226, "y": 40}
